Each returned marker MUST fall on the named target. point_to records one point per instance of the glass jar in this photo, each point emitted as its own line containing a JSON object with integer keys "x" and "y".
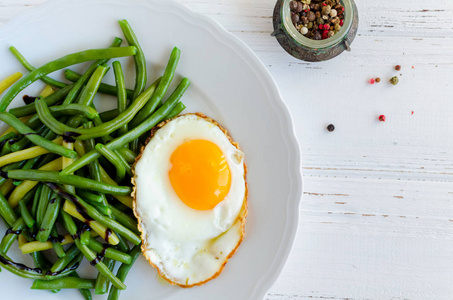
{"x": 307, "y": 49}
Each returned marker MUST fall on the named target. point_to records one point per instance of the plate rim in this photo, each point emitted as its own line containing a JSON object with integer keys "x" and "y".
{"x": 23, "y": 18}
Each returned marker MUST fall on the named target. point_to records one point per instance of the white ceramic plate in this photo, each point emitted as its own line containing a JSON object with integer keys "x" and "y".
{"x": 229, "y": 84}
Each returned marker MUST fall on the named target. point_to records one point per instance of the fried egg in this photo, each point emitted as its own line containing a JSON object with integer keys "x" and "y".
{"x": 190, "y": 197}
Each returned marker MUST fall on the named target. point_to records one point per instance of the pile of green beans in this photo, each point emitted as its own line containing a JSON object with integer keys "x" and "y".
{"x": 56, "y": 159}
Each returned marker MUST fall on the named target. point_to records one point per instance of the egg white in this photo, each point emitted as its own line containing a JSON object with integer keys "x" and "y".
{"x": 188, "y": 246}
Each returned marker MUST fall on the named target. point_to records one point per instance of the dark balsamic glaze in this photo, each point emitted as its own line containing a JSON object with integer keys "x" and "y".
{"x": 95, "y": 261}
{"x": 19, "y": 265}
{"x": 11, "y": 231}
{"x": 68, "y": 136}
{"x": 108, "y": 233}
{"x": 28, "y": 99}
{"x": 74, "y": 267}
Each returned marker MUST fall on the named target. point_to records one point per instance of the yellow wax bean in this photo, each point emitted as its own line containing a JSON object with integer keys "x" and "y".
{"x": 47, "y": 91}
{"x": 25, "y": 186}
{"x": 97, "y": 227}
{"x": 41, "y": 246}
{"x": 26, "y": 153}
{"x": 7, "y": 187}
{"x": 9, "y": 81}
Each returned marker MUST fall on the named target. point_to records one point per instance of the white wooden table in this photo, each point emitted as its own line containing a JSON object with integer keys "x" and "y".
{"x": 377, "y": 212}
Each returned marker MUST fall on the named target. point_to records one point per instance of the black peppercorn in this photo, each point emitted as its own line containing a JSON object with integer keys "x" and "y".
{"x": 330, "y": 127}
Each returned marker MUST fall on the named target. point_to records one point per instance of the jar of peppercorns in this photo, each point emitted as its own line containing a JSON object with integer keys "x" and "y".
{"x": 315, "y": 30}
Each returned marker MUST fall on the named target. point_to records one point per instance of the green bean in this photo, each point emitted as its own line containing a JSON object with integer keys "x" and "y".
{"x": 102, "y": 268}
{"x": 176, "y": 111}
{"x": 103, "y": 209}
{"x": 89, "y": 196}
{"x": 94, "y": 166}
{"x": 64, "y": 283}
{"x": 86, "y": 293}
{"x": 25, "y": 272}
{"x": 7, "y": 212}
{"x": 124, "y": 219}
{"x": 122, "y": 244}
{"x": 49, "y": 219}
{"x": 62, "y": 262}
{"x": 35, "y": 138}
{"x": 40, "y": 260}
{"x": 160, "y": 90}
{"x": 28, "y": 219}
{"x": 127, "y": 154}
{"x": 98, "y": 131}
{"x": 36, "y": 198}
{"x": 114, "y": 293}
{"x": 63, "y": 62}
{"x": 92, "y": 86}
{"x": 109, "y": 252}
{"x": 25, "y": 142}
{"x": 30, "y": 68}
{"x": 77, "y": 181}
{"x": 139, "y": 58}
{"x": 103, "y": 88}
{"x": 9, "y": 238}
{"x": 52, "y": 99}
{"x": 44, "y": 198}
{"x": 6, "y": 148}
{"x": 113, "y": 158}
{"x": 57, "y": 247}
{"x": 11, "y": 166}
{"x": 9, "y": 136}
{"x": 135, "y": 133}
{"x": 121, "y": 87}
{"x": 85, "y": 237}
{"x": 102, "y": 284}
{"x": 93, "y": 213}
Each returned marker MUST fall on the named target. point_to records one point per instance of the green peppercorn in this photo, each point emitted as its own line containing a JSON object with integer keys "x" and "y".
{"x": 394, "y": 80}
{"x": 310, "y": 25}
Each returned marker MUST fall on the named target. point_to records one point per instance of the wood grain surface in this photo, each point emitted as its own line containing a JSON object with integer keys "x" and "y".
{"x": 377, "y": 212}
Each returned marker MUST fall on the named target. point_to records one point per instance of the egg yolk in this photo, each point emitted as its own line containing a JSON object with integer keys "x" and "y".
{"x": 200, "y": 174}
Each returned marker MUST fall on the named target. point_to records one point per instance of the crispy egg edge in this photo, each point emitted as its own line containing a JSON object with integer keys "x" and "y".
{"x": 242, "y": 214}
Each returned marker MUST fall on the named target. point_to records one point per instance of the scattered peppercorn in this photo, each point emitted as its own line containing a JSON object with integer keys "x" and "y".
{"x": 330, "y": 127}
{"x": 397, "y": 67}
{"x": 378, "y": 79}
{"x": 412, "y": 112}
{"x": 372, "y": 81}
{"x": 317, "y": 19}
{"x": 394, "y": 80}
{"x": 382, "y": 118}
{"x": 413, "y": 67}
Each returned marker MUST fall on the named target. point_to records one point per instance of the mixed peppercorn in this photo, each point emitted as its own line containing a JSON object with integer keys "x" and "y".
{"x": 317, "y": 19}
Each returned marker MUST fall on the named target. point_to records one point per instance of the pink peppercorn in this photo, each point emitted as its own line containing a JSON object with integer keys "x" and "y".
{"x": 324, "y": 4}
{"x": 325, "y": 34}
{"x": 341, "y": 22}
{"x": 372, "y": 81}
{"x": 326, "y": 27}
{"x": 321, "y": 26}
{"x": 382, "y": 118}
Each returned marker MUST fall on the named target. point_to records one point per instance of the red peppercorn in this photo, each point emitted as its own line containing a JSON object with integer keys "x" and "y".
{"x": 342, "y": 9}
{"x": 324, "y": 4}
{"x": 325, "y": 34}
{"x": 326, "y": 27}
{"x": 321, "y": 26}
{"x": 341, "y": 22}
{"x": 372, "y": 81}
{"x": 382, "y": 118}
{"x": 412, "y": 112}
